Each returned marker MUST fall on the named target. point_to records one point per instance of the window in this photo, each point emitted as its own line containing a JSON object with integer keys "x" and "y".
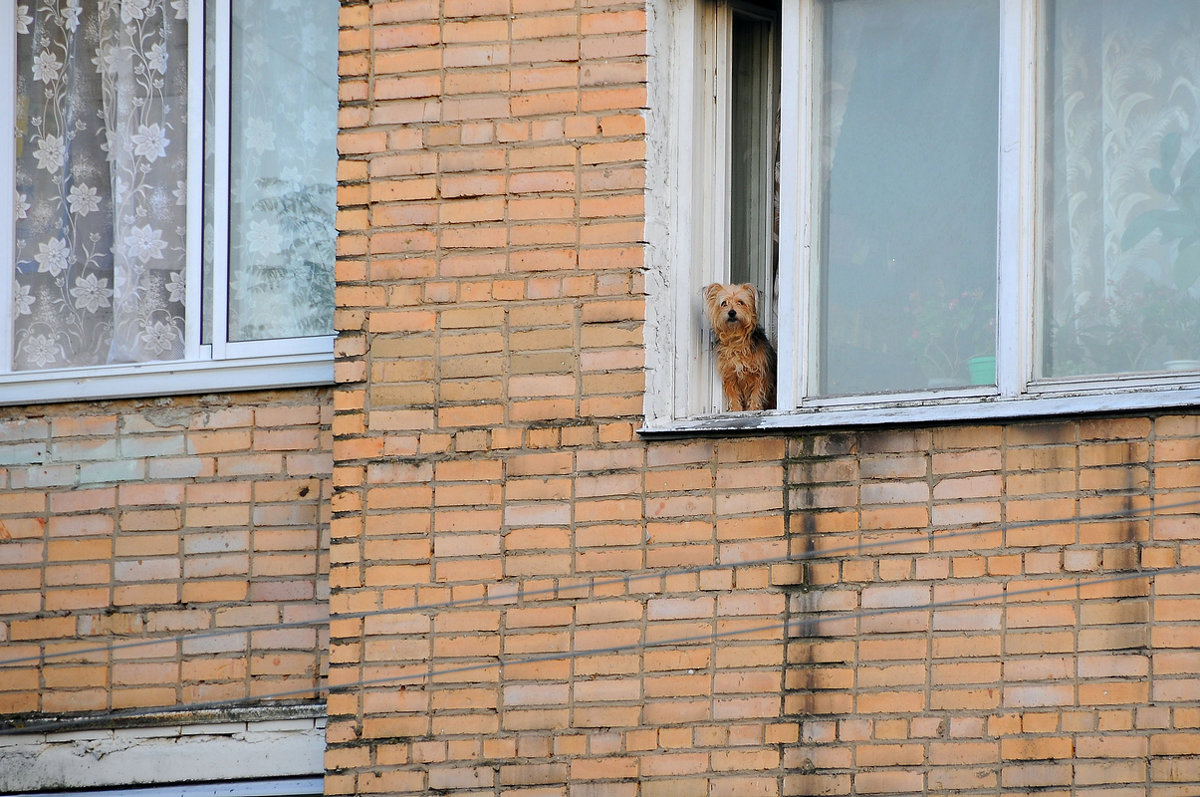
{"x": 951, "y": 208}
{"x": 173, "y": 175}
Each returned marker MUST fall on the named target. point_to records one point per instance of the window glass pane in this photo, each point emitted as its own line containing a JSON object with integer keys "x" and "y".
{"x": 210, "y": 165}
{"x": 907, "y": 137}
{"x": 283, "y": 168}
{"x": 1121, "y": 249}
{"x": 100, "y": 169}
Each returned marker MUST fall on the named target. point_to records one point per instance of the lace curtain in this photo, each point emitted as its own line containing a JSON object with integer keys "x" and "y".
{"x": 1120, "y": 282}
{"x": 100, "y": 174}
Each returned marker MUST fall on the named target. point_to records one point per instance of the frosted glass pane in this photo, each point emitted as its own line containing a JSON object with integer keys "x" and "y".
{"x": 283, "y": 168}
{"x": 907, "y": 132}
{"x": 1122, "y": 207}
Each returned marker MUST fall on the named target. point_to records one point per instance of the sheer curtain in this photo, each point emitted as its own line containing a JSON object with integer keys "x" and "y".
{"x": 100, "y": 169}
{"x": 1123, "y": 180}
{"x": 283, "y": 168}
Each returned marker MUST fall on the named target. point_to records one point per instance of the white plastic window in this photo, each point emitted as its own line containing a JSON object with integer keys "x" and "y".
{"x": 173, "y": 224}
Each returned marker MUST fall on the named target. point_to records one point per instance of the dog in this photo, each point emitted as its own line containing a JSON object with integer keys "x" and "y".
{"x": 746, "y": 359}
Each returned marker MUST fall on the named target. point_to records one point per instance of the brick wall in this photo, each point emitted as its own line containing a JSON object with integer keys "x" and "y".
{"x": 530, "y": 599}
{"x": 128, "y": 522}
{"x": 1017, "y": 680}
{"x": 558, "y": 607}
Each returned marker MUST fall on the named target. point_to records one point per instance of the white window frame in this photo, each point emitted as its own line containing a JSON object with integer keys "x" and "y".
{"x": 685, "y": 193}
{"x": 219, "y": 366}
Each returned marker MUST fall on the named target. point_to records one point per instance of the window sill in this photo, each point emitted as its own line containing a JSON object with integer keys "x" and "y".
{"x": 973, "y": 409}
{"x": 166, "y": 379}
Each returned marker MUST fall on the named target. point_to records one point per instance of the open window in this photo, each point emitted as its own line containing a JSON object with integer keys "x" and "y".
{"x": 951, "y": 210}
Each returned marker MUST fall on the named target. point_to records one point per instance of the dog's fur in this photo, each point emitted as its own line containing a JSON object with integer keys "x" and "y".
{"x": 745, "y": 357}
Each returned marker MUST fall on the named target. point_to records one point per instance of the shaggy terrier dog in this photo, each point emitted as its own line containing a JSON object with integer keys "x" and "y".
{"x": 745, "y": 357}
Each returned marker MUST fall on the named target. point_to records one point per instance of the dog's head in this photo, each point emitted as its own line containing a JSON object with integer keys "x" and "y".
{"x": 732, "y": 309}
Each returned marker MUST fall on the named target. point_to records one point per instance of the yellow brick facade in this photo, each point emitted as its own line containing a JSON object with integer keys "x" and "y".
{"x": 138, "y": 538}
{"x": 526, "y": 598}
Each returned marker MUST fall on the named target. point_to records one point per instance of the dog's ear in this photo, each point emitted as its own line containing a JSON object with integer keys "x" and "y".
{"x": 711, "y": 291}
{"x": 750, "y": 289}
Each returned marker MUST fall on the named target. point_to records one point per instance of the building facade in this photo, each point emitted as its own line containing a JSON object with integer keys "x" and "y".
{"x": 514, "y": 547}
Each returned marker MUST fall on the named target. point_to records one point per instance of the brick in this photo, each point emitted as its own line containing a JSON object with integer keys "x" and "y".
{"x": 47, "y": 628}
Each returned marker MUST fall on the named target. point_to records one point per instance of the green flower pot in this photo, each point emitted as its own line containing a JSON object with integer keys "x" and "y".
{"x": 982, "y": 370}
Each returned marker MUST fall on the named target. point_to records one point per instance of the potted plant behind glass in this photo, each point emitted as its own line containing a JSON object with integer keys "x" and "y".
{"x": 1139, "y": 325}
{"x": 953, "y": 337}
{"x": 1180, "y": 318}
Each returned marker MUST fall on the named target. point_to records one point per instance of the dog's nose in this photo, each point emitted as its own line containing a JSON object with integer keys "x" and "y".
{"x": 732, "y": 314}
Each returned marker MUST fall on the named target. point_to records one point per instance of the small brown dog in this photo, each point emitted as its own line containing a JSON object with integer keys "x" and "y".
{"x": 745, "y": 357}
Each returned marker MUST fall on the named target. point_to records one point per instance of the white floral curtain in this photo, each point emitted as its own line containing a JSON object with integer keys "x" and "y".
{"x": 100, "y": 170}
{"x": 1126, "y": 92}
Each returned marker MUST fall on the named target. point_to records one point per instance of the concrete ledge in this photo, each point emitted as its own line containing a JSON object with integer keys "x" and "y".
{"x": 178, "y": 748}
